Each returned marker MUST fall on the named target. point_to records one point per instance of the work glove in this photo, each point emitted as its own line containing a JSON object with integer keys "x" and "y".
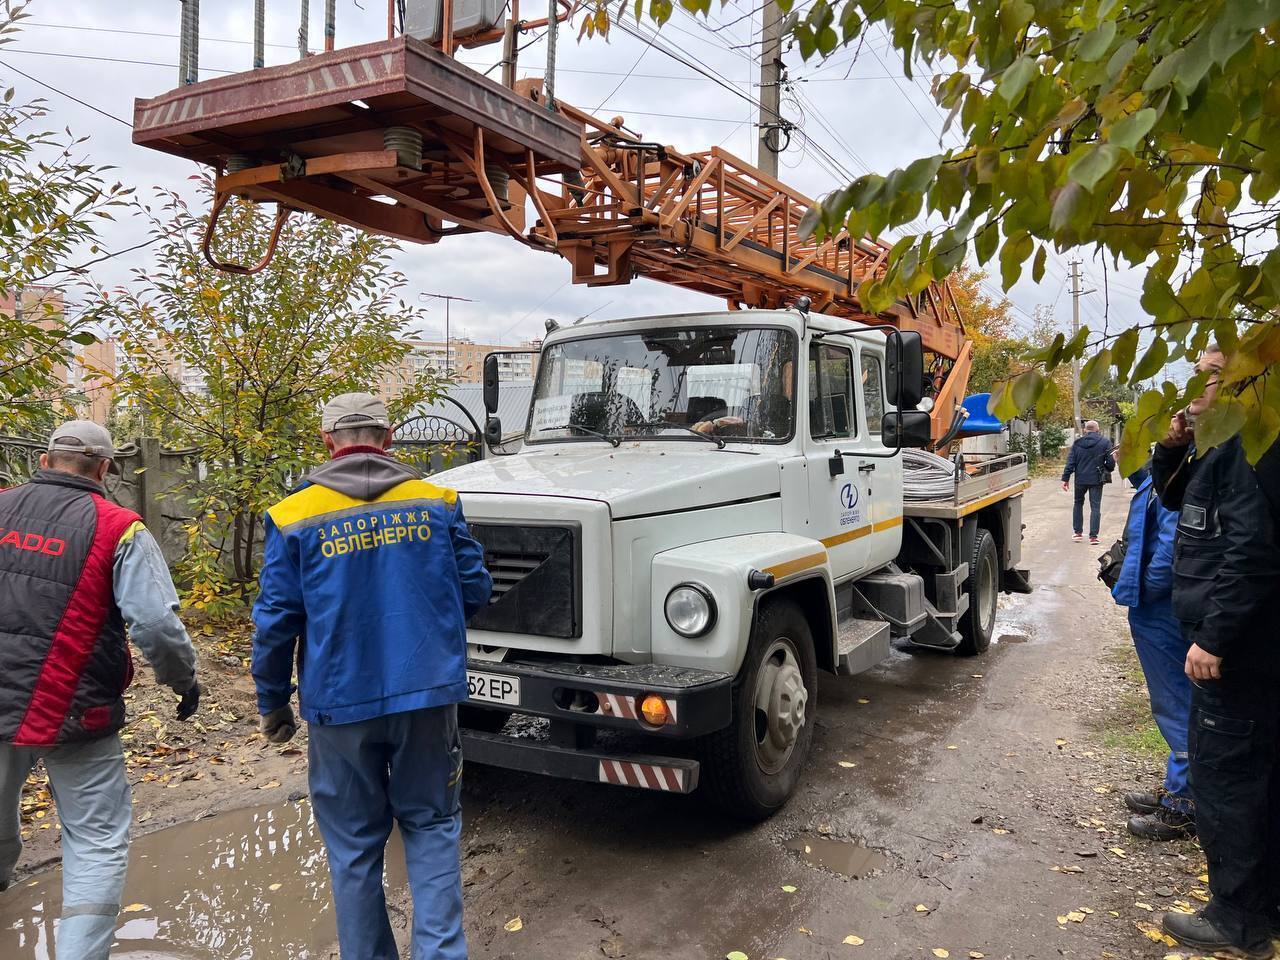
{"x": 279, "y": 725}
{"x": 189, "y": 703}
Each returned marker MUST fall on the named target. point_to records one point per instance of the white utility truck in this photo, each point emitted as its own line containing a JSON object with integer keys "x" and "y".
{"x": 706, "y": 510}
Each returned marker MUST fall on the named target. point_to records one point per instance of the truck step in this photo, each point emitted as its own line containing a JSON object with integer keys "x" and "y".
{"x": 861, "y": 645}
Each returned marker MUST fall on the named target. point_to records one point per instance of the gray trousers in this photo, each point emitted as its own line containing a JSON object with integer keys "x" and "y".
{"x": 92, "y": 796}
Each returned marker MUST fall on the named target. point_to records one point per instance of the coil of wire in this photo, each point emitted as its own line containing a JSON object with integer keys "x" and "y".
{"x": 926, "y": 476}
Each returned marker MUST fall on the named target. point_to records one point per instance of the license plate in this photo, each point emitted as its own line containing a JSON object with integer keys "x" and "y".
{"x": 492, "y": 688}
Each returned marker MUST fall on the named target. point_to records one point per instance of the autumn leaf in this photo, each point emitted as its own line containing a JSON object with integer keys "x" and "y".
{"x": 854, "y": 941}
{"x": 134, "y": 908}
{"x": 847, "y": 764}
{"x": 921, "y": 908}
{"x": 941, "y": 953}
{"x": 788, "y": 888}
{"x": 514, "y": 925}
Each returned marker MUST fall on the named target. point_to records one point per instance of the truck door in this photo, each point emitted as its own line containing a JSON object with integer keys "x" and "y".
{"x": 839, "y": 499}
{"x": 883, "y": 474}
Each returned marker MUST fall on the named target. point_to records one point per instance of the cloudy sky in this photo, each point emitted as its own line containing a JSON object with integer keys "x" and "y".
{"x": 860, "y": 112}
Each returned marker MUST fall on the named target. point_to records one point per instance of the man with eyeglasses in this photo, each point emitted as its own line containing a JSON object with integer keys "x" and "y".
{"x": 1226, "y": 575}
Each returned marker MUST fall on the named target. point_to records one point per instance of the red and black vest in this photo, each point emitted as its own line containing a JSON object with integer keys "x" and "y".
{"x": 64, "y": 657}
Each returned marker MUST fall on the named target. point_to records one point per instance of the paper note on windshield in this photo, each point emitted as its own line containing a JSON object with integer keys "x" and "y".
{"x": 552, "y": 413}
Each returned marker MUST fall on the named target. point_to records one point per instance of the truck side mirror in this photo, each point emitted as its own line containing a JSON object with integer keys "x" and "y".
{"x": 492, "y": 431}
{"x": 906, "y": 428}
{"x": 904, "y": 369}
{"x": 490, "y": 386}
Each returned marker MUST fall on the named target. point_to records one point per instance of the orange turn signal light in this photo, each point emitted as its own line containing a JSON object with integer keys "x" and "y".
{"x": 655, "y": 710}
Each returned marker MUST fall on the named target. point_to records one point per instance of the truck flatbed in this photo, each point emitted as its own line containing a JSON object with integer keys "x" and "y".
{"x": 978, "y": 486}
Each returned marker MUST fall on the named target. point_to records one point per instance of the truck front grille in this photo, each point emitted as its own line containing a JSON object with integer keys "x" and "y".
{"x": 536, "y": 574}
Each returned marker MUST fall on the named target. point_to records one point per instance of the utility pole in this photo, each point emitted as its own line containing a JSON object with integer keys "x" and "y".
{"x": 447, "y": 298}
{"x": 770, "y": 121}
{"x": 1076, "y": 293}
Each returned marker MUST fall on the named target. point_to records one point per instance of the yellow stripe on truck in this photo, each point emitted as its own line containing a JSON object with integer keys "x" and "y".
{"x": 789, "y": 567}
{"x": 851, "y": 535}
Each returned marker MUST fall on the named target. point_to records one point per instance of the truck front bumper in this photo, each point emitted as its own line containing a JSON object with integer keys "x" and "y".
{"x": 580, "y": 699}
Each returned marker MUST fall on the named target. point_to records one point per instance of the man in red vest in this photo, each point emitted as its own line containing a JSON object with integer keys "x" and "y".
{"x": 75, "y": 571}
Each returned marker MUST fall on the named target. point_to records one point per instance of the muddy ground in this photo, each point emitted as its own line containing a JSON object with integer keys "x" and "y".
{"x": 978, "y": 800}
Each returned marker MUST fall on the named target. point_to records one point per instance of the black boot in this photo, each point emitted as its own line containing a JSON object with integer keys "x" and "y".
{"x": 1193, "y": 930}
{"x": 1164, "y": 824}
{"x": 1143, "y": 802}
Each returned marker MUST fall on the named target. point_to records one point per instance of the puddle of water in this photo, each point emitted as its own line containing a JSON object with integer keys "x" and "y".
{"x": 839, "y": 856}
{"x": 205, "y": 891}
{"x": 1012, "y": 638}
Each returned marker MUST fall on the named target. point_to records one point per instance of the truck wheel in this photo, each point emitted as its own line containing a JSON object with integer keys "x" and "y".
{"x": 983, "y": 588}
{"x": 752, "y": 766}
{"x": 477, "y": 718}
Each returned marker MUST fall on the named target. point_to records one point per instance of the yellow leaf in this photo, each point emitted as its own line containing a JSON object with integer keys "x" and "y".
{"x": 275, "y": 886}
{"x": 863, "y": 700}
{"x": 1155, "y": 934}
{"x": 1144, "y": 906}
{"x": 1075, "y": 916}
{"x": 1060, "y": 742}
{"x": 735, "y": 955}
{"x": 939, "y": 952}
{"x": 847, "y": 764}
{"x": 952, "y": 746}
{"x": 788, "y": 888}
{"x": 999, "y": 831}
{"x": 270, "y": 785}
{"x": 975, "y": 955}
{"x": 1203, "y": 878}
{"x": 1118, "y": 852}
{"x": 921, "y": 908}
{"x": 514, "y": 925}
{"x": 854, "y": 941}
{"x": 1062, "y": 920}
{"x": 134, "y": 908}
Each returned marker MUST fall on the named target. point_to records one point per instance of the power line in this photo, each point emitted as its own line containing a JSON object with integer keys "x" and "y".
{"x": 147, "y": 33}
{"x": 83, "y": 56}
{"x": 63, "y": 93}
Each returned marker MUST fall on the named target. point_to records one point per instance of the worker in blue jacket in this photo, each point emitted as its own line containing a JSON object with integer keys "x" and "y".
{"x": 1145, "y": 586}
{"x": 369, "y": 574}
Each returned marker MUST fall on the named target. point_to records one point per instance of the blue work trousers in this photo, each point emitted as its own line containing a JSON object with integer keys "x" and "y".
{"x": 1094, "y": 493}
{"x": 91, "y": 792}
{"x": 406, "y": 768}
{"x": 1162, "y": 651}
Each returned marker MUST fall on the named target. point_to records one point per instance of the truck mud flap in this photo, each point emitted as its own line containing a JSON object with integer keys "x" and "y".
{"x": 1015, "y": 580}
{"x": 667, "y": 774}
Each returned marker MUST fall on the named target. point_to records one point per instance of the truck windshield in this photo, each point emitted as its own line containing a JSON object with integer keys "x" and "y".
{"x": 728, "y": 383}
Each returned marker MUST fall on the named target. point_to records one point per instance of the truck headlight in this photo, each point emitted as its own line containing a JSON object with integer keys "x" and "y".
{"x": 690, "y": 610}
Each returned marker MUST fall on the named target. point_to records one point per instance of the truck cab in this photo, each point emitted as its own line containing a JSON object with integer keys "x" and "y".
{"x": 706, "y": 510}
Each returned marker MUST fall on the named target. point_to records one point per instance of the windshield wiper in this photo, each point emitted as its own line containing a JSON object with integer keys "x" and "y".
{"x": 688, "y": 429}
{"x": 595, "y": 433}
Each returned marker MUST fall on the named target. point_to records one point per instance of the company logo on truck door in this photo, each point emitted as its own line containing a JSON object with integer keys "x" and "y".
{"x": 850, "y": 513}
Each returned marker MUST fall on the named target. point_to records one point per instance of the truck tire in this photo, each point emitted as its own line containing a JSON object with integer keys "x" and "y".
{"x": 751, "y": 767}
{"x": 478, "y": 718}
{"x": 983, "y": 587}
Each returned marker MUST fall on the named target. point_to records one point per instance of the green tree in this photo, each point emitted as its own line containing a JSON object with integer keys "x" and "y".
{"x": 239, "y": 366}
{"x": 50, "y": 203}
{"x": 1147, "y": 130}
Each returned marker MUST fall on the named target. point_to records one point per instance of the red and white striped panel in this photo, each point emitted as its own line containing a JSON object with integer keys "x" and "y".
{"x": 624, "y": 707}
{"x": 648, "y": 776}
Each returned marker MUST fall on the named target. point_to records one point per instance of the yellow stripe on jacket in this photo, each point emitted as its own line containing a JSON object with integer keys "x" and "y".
{"x": 315, "y": 501}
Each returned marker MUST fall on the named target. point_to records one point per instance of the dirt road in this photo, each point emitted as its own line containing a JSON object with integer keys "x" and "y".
{"x": 958, "y": 805}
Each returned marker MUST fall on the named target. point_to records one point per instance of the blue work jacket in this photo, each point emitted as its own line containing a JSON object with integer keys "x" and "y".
{"x": 373, "y": 572}
{"x": 1146, "y": 575}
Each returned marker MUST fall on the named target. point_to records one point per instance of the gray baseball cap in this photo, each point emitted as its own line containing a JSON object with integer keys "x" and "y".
{"x": 351, "y": 410}
{"x": 82, "y": 436}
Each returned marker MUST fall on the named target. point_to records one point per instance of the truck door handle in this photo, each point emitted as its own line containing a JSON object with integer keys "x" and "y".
{"x": 866, "y": 467}
{"x": 836, "y": 464}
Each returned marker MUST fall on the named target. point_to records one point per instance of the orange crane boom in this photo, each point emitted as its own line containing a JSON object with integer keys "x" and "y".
{"x": 397, "y": 138}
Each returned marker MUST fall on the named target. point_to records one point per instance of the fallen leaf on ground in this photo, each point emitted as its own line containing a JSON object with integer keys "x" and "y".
{"x": 736, "y": 955}
{"x": 999, "y": 830}
{"x": 1118, "y": 852}
{"x": 854, "y": 941}
{"x": 1155, "y": 934}
{"x": 1071, "y": 868}
{"x": 270, "y": 785}
{"x": 1144, "y": 906}
{"x": 847, "y": 764}
{"x": 788, "y": 888}
{"x": 1075, "y": 916}
{"x": 976, "y": 676}
{"x": 275, "y": 886}
{"x": 863, "y": 700}
{"x": 1200, "y": 895}
{"x": 1060, "y": 742}
{"x": 514, "y": 925}
{"x": 975, "y": 955}
{"x": 939, "y": 952}
{"x": 1062, "y": 920}
{"x": 921, "y": 908}
{"x": 134, "y": 908}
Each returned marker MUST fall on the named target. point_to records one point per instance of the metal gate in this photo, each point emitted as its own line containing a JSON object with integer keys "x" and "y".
{"x": 432, "y": 442}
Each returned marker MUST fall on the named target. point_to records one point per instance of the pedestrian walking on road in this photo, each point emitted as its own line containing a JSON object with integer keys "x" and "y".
{"x": 1145, "y": 586}
{"x": 75, "y": 571}
{"x": 370, "y": 574}
{"x": 1226, "y": 577}
{"x": 1091, "y": 460}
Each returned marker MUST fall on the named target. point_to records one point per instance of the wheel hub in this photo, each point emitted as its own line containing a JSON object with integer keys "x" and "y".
{"x": 781, "y": 700}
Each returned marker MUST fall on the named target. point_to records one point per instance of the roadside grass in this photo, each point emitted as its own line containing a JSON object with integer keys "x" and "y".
{"x": 1128, "y": 726}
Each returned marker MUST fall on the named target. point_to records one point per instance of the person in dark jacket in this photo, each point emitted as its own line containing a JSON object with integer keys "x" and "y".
{"x": 369, "y": 574}
{"x": 75, "y": 571}
{"x": 1145, "y": 586}
{"x": 1226, "y": 578}
{"x": 1091, "y": 460}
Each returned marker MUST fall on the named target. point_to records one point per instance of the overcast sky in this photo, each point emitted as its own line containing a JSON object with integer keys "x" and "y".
{"x": 861, "y": 111}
